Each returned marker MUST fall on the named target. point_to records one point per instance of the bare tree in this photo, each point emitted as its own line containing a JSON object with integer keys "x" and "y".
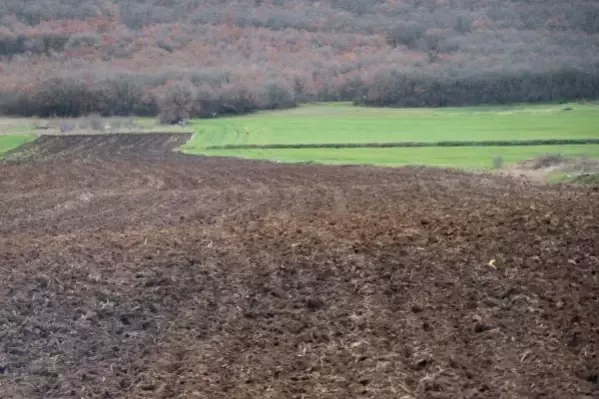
{"x": 176, "y": 102}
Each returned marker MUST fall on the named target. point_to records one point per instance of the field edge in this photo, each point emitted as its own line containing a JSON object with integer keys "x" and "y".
{"x": 12, "y": 142}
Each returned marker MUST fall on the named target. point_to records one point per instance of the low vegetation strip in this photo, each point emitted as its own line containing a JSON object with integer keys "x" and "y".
{"x": 486, "y": 143}
{"x": 12, "y": 141}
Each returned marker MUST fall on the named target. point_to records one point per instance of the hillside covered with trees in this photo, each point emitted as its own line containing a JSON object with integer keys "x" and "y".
{"x": 181, "y": 58}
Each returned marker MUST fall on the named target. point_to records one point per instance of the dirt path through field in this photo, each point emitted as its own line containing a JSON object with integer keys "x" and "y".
{"x": 133, "y": 271}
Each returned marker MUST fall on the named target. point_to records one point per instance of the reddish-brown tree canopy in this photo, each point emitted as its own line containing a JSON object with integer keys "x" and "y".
{"x": 253, "y": 54}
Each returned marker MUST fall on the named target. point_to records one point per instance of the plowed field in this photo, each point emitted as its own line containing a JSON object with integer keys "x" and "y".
{"x": 132, "y": 271}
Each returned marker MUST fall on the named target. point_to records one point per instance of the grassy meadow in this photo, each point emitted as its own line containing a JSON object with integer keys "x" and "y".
{"x": 317, "y": 124}
{"x": 472, "y": 158}
{"x": 344, "y": 123}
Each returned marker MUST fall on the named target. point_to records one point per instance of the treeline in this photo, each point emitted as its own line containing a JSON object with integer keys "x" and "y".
{"x": 11, "y": 44}
{"x": 207, "y": 58}
{"x": 418, "y": 89}
{"x": 315, "y": 15}
{"x": 172, "y": 99}
{"x": 193, "y": 95}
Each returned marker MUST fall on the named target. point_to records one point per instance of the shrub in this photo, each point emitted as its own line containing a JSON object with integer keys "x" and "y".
{"x": 279, "y": 94}
{"x": 59, "y": 97}
{"x": 176, "y": 102}
{"x": 67, "y": 126}
{"x": 96, "y": 122}
{"x": 497, "y": 162}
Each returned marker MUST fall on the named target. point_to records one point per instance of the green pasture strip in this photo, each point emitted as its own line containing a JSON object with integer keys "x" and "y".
{"x": 471, "y": 158}
{"x": 13, "y": 141}
{"x": 344, "y": 123}
{"x": 489, "y": 143}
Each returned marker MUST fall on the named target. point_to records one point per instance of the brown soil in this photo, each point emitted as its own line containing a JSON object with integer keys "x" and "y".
{"x": 138, "y": 272}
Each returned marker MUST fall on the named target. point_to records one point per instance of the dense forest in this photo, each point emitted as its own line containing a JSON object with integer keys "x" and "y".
{"x": 181, "y": 58}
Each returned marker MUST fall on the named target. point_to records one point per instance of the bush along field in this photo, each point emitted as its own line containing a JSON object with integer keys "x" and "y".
{"x": 465, "y": 137}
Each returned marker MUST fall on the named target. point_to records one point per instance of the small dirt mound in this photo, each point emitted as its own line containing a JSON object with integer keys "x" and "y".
{"x": 540, "y": 169}
{"x": 587, "y": 178}
{"x": 100, "y": 146}
{"x": 544, "y": 161}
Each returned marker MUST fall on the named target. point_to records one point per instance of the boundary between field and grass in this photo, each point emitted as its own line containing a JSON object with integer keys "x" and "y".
{"x": 405, "y": 144}
{"x": 10, "y": 142}
{"x": 469, "y": 138}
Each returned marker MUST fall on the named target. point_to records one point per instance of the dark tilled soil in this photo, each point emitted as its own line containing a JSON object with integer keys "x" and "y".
{"x": 132, "y": 271}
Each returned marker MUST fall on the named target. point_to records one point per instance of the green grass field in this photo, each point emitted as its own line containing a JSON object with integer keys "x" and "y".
{"x": 473, "y": 158}
{"x": 10, "y": 142}
{"x": 344, "y": 123}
